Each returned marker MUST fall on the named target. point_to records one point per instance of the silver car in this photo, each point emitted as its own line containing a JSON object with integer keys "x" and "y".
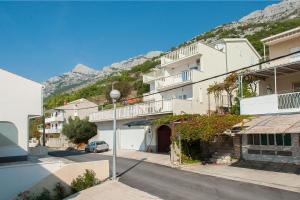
{"x": 97, "y": 146}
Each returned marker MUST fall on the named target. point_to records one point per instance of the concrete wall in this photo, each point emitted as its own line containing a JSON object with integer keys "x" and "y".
{"x": 18, "y": 178}
{"x": 240, "y": 54}
{"x": 20, "y": 99}
{"x": 68, "y": 173}
{"x": 295, "y": 149}
{"x": 283, "y": 48}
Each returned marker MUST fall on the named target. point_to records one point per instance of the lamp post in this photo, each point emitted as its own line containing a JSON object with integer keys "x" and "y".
{"x": 114, "y": 95}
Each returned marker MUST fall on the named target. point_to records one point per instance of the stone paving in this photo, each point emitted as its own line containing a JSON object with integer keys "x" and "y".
{"x": 112, "y": 190}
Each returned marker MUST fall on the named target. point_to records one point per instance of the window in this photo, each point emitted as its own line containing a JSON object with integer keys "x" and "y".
{"x": 284, "y": 153}
{"x": 287, "y": 140}
{"x": 183, "y": 96}
{"x": 271, "y": 139}
{"x": 279, "y": 140}
{"x": 263, "y": 139}
{"x": 152, "y": 86}
{"x": 252, "y": 151}
{"x": 250, "y": 139}
{"x": 256, "y": 139}
{"x": 296, "y": 87}
{"x": 267, "y": 152}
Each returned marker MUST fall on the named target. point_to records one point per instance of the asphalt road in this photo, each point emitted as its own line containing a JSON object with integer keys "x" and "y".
{"x": 168, "y": 183}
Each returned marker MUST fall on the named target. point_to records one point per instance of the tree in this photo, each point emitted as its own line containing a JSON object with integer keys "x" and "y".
{"x": 33, "y": 127}
{"x": 79, "y": 131}
{"x": 229, "y": 85}
{"x": 124, "y": 87}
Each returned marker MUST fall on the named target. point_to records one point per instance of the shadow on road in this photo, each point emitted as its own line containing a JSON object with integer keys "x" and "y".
{"x": 61, "y": 153}
{"x": 133, "y": 166}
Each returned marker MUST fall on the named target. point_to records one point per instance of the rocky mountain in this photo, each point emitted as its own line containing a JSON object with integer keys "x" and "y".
{"x": 273, "y": 19}
{"x": 259, "y": 24}
{"x": 82, "y": 75}
{"x": 274, "y": 12}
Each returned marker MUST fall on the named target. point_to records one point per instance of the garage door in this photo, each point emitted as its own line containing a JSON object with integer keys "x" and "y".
{"x": 107, "y": 136}
{"x": 132, "y": 138}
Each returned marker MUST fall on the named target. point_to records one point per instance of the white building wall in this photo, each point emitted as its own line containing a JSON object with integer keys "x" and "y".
{"x": 20, "y": 99}
{"x": 240, "y": 54}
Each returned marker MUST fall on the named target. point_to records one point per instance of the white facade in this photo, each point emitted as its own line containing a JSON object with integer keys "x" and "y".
{"x": 20, "y": 99}
{"x": 278, "y": 95}
{"x": 58, "y": 116}
{"x": 175, "y": 89}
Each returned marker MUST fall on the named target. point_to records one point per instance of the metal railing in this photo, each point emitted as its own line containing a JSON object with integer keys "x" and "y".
{"x": 57, "y": 118}
{"x": 289, "y": 101}
{"x": 132, "y": 111}
{"x": 180, "y": 54}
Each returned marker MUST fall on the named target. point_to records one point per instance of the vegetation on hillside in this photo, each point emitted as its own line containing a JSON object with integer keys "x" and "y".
{"x": 254, "y": 32}
{"x": 132, "y": 78}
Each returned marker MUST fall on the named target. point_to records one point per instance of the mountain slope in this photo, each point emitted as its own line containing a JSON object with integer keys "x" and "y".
{"x": 274, "y": 12}
{"x": 82, "y": 75}
{"x": 251, "y": 27}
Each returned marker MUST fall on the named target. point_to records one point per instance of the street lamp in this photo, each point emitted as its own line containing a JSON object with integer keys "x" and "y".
{"x": 114, "y": 95}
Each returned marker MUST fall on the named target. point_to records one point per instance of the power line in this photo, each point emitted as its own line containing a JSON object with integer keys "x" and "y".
{"x": 206, "y": 79}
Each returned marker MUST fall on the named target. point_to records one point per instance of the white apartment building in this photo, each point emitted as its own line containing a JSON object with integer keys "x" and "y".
{"x": 174, "y": 89}
{"x": 275, "y": 134}
{"x": 21, "y": 99}
{"x": 57, "y": 117}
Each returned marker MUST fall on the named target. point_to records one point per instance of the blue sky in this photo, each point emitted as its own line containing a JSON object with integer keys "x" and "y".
{"x": 42, "y": 39}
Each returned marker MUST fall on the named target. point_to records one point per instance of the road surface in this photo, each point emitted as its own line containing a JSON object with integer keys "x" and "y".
{"x": 173, "y": 184}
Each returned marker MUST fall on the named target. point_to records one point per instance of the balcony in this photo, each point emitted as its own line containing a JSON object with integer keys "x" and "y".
{"x": 51, "y": 130}
{"x": 153, "y": 75}
{"x": 175, "y": 80}
{"x": 180, "y": 54}
{"x": 271, "y": 104}
{"x": 134, "y": 111}
{"x": 58, "y": 118}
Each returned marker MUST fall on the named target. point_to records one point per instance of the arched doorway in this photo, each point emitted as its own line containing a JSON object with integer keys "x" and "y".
{"x": 163, "y": 139}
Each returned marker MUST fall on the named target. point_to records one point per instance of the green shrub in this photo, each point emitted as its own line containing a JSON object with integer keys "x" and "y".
{"x": 59, "y": 192}
{"x": 45, "y": 195}
{"x": 88, "y": 179}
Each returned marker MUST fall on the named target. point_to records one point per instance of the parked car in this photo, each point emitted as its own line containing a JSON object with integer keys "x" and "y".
{"x": 97, "y": 146}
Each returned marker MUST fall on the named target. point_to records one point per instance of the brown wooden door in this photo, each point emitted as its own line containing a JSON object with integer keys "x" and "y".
{"x": 163, "y": 139}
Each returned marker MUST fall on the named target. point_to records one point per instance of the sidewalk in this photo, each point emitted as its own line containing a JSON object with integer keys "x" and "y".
{"x": 112, "y": 190}
{"x": 286, "y": 181}
{"x": 279, "y": 180}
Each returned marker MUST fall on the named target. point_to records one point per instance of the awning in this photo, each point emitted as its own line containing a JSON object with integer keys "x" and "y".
{"x": 270, "y": 124}
{"x": 144, "y": 122}
{"x": 281, "y": 69}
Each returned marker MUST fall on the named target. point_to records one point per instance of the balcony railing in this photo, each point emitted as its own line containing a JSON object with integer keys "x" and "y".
{"x": 181, "y": 78}
{"x": 289, "y": 101}
{"x": 132, "y": 111}
{"x": 269, "y": 104}
{"x": 58, "y": 118}
{"x": 153, "y": 75}
{"x": 50, "y": 130}
{"x": 179, "y": 54}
